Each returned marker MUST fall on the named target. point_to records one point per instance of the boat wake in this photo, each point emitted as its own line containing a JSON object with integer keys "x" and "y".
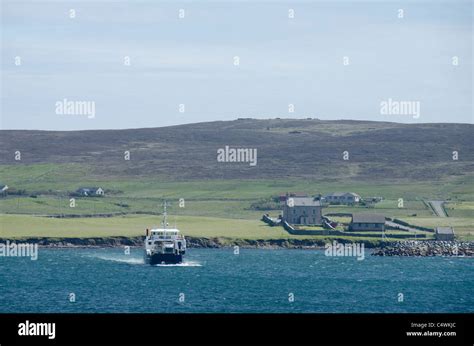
{"x": 120, "y": 259}
{"x": 183, "y": 264}
{"x": 135, "y": 260}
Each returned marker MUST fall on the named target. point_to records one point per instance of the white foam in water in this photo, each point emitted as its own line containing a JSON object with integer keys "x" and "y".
{"x": 183, "y": 264}
{"x": 132, "y": 260}
{"x": 121, "y": 259}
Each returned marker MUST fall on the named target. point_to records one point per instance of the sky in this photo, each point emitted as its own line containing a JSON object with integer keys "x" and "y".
{"x": 333, "y": 60}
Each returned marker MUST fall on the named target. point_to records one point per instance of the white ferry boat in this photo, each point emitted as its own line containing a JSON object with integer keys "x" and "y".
{"x": 164, "y": 245}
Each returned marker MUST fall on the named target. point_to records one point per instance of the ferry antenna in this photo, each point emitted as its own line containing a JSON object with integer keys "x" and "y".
{"x": 165, "y": 214}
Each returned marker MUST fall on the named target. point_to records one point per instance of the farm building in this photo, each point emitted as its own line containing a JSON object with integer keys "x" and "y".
{"x": 302, "y": 211}
{"x": 444, "y": 233}
{"x": 342, "y": 198}
{"x": 367, "y": 222}
{"x": 284, "y": 196}
{"x": 3, "y": 190}
{"x": 90, "y": 191}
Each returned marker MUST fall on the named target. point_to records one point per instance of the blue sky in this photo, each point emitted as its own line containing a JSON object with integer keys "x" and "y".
{"x": 189, "y": 61}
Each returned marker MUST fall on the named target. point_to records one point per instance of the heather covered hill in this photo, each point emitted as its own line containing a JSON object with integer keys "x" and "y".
{"x": 298, "y": 148}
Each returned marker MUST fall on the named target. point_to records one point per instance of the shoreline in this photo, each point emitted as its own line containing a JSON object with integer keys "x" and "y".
{"x": 192, "y": 242}
{"x": 424, "y": 248}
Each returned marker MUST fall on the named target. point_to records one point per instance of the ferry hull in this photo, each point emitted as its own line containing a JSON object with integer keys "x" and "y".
{"x": 164, "y": 259}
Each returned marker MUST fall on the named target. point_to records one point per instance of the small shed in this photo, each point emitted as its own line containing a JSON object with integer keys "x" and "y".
{"x": 3, "y": 189}
{"x": 367, "y": 222}
{"x": 284, "y": 196}
{"x": 444, "y": 233}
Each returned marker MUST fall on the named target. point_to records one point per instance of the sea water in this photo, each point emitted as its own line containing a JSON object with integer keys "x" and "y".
{"x": 217, "y": 280}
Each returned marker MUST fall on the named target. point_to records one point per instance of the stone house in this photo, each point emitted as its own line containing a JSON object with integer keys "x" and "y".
{"x": 302, "y": 211}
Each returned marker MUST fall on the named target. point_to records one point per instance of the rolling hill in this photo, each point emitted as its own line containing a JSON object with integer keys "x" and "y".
{"x": 297, "y": 148}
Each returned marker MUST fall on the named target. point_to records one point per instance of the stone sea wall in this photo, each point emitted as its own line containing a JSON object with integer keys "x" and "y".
{"x": 381, "y": 248}
{"x": 192, "y": 242}
{"x": 426, "y": 248}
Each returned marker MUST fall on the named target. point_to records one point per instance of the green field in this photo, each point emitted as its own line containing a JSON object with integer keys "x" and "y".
{"x": 214, "y": 208}
{"x": 23, "y": 226}
{"x": 59, "y": 179}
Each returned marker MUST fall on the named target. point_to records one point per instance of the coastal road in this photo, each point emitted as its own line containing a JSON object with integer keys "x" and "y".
{"x": 438, "y": 208}
{"x": 402, "y": 227}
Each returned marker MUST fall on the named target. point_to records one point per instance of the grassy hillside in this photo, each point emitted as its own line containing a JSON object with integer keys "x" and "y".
{"x": 412, "y": 162}
{"x": 289, "y": 149}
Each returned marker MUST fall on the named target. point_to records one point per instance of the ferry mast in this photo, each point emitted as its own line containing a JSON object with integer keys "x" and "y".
{"x": 165, "y": 215}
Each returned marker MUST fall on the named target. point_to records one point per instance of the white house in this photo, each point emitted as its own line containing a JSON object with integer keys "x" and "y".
{"x": 342, "y": 198}
{"x": 90, "y": 191}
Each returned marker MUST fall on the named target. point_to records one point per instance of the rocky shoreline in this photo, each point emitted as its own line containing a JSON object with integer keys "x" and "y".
{"x": 426, "y": 248}
{"x": 192, "y": 242}
{"x": 400, "y": 248}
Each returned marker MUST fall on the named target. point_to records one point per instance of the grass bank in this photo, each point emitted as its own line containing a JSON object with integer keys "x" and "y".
{"x": 26, "y": 226}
